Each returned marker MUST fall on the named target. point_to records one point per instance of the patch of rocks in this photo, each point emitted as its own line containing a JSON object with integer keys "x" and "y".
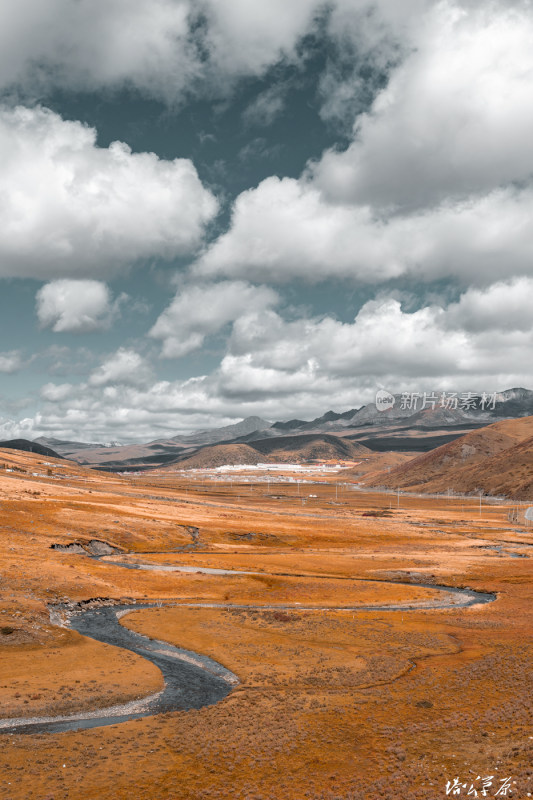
{"x": 92, "y": 547}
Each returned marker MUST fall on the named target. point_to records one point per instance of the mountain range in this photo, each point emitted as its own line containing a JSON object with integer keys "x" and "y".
{"x": 410, "y": 423}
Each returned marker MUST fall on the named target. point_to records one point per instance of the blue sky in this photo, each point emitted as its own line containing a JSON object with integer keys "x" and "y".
{"x": 217, "y": 209}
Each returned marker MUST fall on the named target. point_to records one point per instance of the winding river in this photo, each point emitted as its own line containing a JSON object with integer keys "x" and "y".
{"x": 193, "y": 680}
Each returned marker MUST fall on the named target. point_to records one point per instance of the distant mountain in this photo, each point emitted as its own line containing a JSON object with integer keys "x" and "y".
{"x": 437, "y": 417}
{"x": 329, "y": 419}
{"x": 291, "y": 424}
{"x": 152, "y": 454}
{"x": 496, "y": 459}
{"x": 429, "y": 410}
{"x": 266, "y": 433}
{"x": 513, "y": 403}
{"x": 30, "y": 447}
{"x": 65, "y": 448}
{"x": 227, "y": 433}
{"x": 509, "y": 473}
{"x": 333, "y": 416}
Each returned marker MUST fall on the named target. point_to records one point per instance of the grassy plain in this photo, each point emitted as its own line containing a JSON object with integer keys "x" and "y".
{"x": 331, "y": 703}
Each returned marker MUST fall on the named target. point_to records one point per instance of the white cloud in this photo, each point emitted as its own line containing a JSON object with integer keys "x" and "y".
{"x": 198, "y": 311}
{"x": 163, "y": 48}
{"x": 10, "y": 362}
{"x": 382, "y": 340}
{"x": 55, "y": 392}
{"x": 432, "y": 347}
{"x": 126, "y": 367}
{"x": 17, "y": 429}
{"x": 437, "y": 181}
{"x": 366, "y": 41}
{"x": 504, "y": 306}
{"x": 246, "y": 38}
{"x": 285, "y": 229}
{"x": 455, "y": 117}
{"x": 75, "y": 306}
{"x": 107, "y": 43}
{"x": 71, "y": 208}
{"x": 169, "y": 49}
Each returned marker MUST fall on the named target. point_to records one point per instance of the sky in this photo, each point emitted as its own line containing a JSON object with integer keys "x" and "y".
{"x": 211, "y": 209}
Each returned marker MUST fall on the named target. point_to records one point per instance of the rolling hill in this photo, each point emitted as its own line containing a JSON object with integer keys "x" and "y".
{"x": 377, "y": 462}
{"x": 283, "y": 449}
{"x": 218, "y": 455}
{"x": 30, "y": 447}
{"x": 497, "y": 459}
{"x": 315, "y": 446}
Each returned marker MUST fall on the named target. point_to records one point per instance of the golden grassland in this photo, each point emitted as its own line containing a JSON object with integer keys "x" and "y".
{"x": 331, "y": 703}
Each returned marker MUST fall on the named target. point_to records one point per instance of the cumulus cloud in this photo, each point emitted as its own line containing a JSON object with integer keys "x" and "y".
{"x": 433, "y": 345}
{"x": 75, "y": 306}
{"x": 285, "y": 229}
{"x": 163, "y": 48}
{"x": 71, "y": 208}
{"x": 382, "y": 340}
{"x": 198, "y": 311}
{"x": 17, "y": 429}
{"x": 90, "y": 45}
{"x": 246, "y": 38}
{"x": 437, "y": 181}
{"x": 454, "y": 118}
{"x": 367, "y": 41}
{"x": 170, "y": 49}
{"x": 55, "y": 392}
{"x": 504, "y": 306}
{"x": 11, "y": 362}
{"x": 126, "y": 367}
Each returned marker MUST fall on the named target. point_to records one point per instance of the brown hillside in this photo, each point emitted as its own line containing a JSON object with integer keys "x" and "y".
{"x": 497, "y": 459}
{"x": 376, "y": 462}
{"x": 220, "y": 454}
{"x": 282, "y": 449}
{"x": 34, "y": 465}
{"x": 509, "y": 473}
{"x": 310, "y": 447}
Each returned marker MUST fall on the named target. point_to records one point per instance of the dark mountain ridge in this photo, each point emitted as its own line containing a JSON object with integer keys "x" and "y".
{"x": 30, "y": 447}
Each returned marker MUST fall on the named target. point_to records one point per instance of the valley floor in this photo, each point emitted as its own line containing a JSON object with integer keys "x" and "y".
{"x": 338, "y": 696}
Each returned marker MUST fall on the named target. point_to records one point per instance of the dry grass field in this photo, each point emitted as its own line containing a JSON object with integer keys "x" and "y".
{"x": 332, "y": 704}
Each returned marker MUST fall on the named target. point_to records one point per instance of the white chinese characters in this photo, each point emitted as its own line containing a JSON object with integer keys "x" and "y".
{"x": 480, "y": 787}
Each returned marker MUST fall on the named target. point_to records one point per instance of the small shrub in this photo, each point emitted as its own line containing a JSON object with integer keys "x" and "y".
{"x": 281, "y": 616}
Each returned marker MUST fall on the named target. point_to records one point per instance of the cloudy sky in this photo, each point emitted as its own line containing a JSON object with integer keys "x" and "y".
{"x": 217, "y": 208}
